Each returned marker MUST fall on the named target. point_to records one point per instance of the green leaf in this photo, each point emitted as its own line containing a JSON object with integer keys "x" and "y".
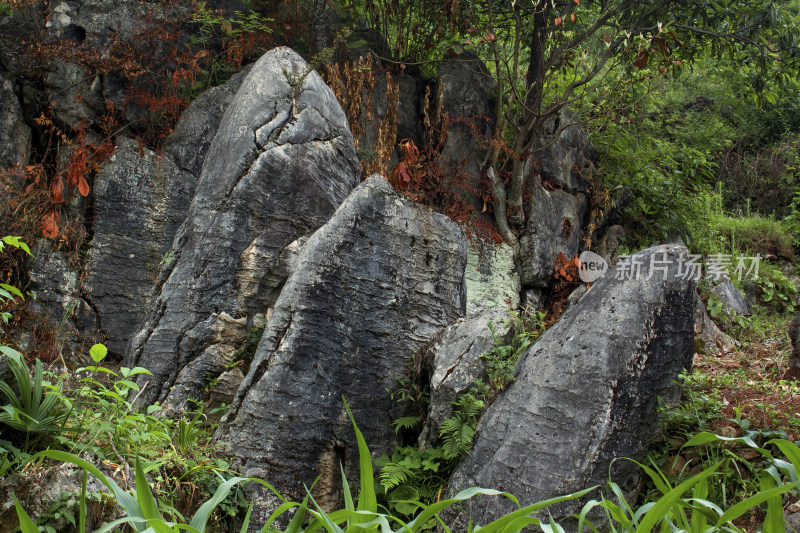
{"x": 665, "y": 504}
{"x": 144, "y": 495}
{"x": 98, "y": 352}
{"x": 25, "y": 523}
{"x": 200, "y": 518}
{"x": 367, "y": 499}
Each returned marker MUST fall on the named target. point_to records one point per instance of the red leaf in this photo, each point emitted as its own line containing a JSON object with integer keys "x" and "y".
{"x": 57, "y": 189}
{"x": 403, "y": 174}
{"x": 83, "y": 187}
{"x": 641, "y": 59}
{"x": 29, "y": 188}
{"x": 558, "y": 21}
{"x": 50, "y": 226}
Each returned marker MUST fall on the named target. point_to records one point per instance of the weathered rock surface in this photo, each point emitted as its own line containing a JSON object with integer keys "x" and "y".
{"x": 564, "y": 154}
{"x": 76, "y": 92}
{"x": 706, "y": 331}
{"x": 586, "y": 392}
{"x": 731, "y": 299}
{"x": 281, "y": 162}
{"x": 56, "y": 293}
{"x": 371, "y": 287}
{"x": 467, "y": 90}
{"x": 457, "y": 363}
{"x": 554, "y": 226}
{"x": 492, "y": 279}
{"x": 42, "y": 486}
{"x": 141, "y": 199}
{"x": 15, "y": 135}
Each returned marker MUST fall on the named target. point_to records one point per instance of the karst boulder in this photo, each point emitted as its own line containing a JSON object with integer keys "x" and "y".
{"x": 370, "y": 289}
{"x": 587, "y": 391}
{"x": 280, "y": 164}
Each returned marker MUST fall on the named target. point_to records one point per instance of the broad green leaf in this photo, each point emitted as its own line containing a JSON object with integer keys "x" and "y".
{"x": 98, "y": 352}
{"x": 25, "y": 523}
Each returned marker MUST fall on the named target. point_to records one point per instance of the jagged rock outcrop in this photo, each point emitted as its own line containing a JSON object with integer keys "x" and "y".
{"x": 554, "y": 226}
{"x": 467, "y": 94}
{"x": 281, "y": 162}
{"x": 492, "y": 279}
{"x": 15, "y": 135}
{"x": 731, "y": 299}
{"x": 708, "y": 336}
{"x": 564, "y": 154}
{"x": 457, "y": 363}
{"x": 587, "y": 391}
{"x": 371, "y": 287}
{"x": 56, "y": 296}
{"x": 140, "y": 200}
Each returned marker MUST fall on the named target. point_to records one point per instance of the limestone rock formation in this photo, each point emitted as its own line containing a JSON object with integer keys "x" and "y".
{"x": 730, "y": 297}
{"x": 587, "y": 391}
{"x": 706, "y": 331}
{"x": 370, "y": 288}
{"x": 492, "y": 279}
{"x": 140, "y": 200}
{"x": 281, "y": 162}
{"x": 457, "y": 363}
{"x": 15, "y": 135}
{"x": 554, "y": 226}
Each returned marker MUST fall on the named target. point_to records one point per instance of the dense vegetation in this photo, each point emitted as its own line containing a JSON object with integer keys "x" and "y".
{"x": 694, "y": 107}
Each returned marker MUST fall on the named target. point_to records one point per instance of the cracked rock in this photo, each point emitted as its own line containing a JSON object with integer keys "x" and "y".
{"x": 141, "y": 199}
{"x": 457, "y": 363}
{"x": 251, "y": 202}
{"x": 370, "y": 288}
{"x": 585, "y": 393}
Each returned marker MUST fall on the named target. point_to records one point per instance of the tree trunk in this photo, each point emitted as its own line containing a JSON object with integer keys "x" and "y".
{"x": 530, "y": 122}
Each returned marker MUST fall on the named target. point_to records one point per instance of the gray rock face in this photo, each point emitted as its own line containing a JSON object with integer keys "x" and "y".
{"x": 371, "y": 287}
{"x": 281, "y": 162}
{"x": 492, "y": 280}
{"x": 141, "y": 199}
{"x": 15, "y": 135}
{"x": 467, "y": 96}
{"x": 77, "y": 94}
{"x": 566, "y": 162}
{"x": 713, "y": 340}
{"x": 730, "y": 297}
{"x": 57, "y": 297}
{"x": 457, "y": 363}
{"x": 554, "y": 226}
{"x": 586, "y": 392}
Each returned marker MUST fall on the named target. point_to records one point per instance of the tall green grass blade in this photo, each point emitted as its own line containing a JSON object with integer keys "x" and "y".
{"x": 325, "y": 519}
{"x": 792, "y": 452}
{"x": 773, "y": 522}
{"x": 296, "y": 522}
{"x": 704, "y": 437}
{"x": 367, "y": 499}
{"x": 737, "y": 510}
{"x": 283, "y": 508}
{"x": 698, "y": 521}
{"x": 25, "y": 523}
{"x": 348, "y": 496}
{"x": 246, "y": 521}
{"x": 665, "y": 504}
{"x": 144, "y": 495}
{"x": 82, "y": 505}
{"x": 200, "y": 518}
{"x": 500, "y": 523}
